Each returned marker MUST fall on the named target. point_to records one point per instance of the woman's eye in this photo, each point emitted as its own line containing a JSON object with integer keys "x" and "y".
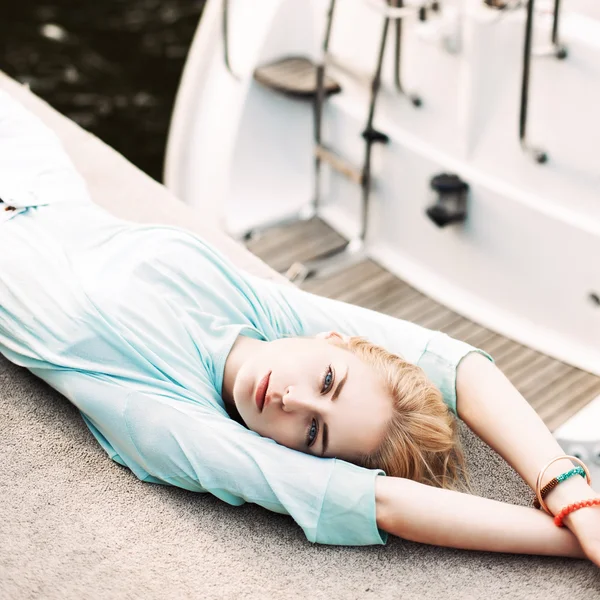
{"x": 312, "y": 433}
{"x": 327, "y": 380}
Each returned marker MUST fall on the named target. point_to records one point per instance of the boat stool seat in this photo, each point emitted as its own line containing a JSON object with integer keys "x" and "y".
{"x": 294, "y": 76}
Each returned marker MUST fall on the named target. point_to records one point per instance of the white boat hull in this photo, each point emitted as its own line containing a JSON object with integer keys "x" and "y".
{"x": 526, "y": 261}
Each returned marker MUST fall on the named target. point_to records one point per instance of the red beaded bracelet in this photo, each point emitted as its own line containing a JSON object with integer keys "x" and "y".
{"x": 558, "y": 519}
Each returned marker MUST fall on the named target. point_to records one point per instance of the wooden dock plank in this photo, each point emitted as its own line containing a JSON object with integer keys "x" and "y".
{"x": 556, "y": 390}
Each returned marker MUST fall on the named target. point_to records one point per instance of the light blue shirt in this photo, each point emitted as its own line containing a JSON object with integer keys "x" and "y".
{"x": 133, "y": 324}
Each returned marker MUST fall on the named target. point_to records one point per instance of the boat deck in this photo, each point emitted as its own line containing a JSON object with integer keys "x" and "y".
{"x": 554, "y": 389}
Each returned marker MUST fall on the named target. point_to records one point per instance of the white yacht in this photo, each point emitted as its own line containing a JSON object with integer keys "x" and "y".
{"x": 454, "y": 143}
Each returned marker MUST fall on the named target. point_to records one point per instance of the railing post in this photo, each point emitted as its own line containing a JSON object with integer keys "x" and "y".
{"x": 539, "y": 155}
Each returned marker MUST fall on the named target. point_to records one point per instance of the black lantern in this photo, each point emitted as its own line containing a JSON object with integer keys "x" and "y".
{"x": 451, "y": 202}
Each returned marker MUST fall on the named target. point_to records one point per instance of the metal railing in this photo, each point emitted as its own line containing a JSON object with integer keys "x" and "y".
{"x": 557, "y": 50}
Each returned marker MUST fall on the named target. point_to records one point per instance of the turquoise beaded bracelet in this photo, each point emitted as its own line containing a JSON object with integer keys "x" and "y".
{"x": 554, "y": 482}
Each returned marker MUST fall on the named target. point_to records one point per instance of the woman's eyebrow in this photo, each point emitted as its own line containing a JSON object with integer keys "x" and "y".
{"x": 340, "y": 386}
{"x": 338, "y": 390}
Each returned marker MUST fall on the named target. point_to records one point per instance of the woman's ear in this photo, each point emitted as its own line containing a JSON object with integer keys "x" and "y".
{"x": 326, "y": 335}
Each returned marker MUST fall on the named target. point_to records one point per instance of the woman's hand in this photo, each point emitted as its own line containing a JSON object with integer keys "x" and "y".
{"x": 585, "y": 524}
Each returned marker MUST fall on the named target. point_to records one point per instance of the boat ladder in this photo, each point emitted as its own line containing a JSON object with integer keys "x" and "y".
{"x": 299, "y": 77}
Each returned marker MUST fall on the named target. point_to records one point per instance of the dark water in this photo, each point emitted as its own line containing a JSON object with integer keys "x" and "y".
{"x": 113, "y": 66}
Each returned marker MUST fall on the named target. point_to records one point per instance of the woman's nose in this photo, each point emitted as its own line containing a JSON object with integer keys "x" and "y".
{"x": 295, "y": 398}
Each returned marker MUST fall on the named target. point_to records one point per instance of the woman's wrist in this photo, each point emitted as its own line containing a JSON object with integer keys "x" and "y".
{"x": 572, "y": 490}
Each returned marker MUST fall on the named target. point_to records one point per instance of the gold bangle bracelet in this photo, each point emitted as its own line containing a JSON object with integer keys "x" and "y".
{"x": 538, "y": 491}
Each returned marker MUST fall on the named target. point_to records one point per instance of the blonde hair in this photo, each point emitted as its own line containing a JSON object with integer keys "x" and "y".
{"x": 421, "y": 442}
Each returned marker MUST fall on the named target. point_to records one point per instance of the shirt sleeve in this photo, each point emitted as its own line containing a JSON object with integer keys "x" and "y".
{"x": 164, "y": 439}
{"x": 298, "y": 312}
{"x": 34, "y": 167}
{"x": 198, "y": 449}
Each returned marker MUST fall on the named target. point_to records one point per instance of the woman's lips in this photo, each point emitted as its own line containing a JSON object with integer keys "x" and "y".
{"x": 261, "y": 391}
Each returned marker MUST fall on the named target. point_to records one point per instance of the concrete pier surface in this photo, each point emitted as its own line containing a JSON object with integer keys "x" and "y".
{"x": 74, "y": 524}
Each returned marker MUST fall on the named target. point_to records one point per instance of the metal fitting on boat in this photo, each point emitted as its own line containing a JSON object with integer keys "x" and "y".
{"x": 451, "y": 203}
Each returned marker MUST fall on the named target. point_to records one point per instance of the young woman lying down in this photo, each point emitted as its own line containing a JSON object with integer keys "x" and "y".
{"x": 193, "y": 373}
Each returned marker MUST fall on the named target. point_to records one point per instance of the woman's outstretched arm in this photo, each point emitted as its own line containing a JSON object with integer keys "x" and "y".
{"x": 431, "y": 515}
{"x": 494, "y": 409}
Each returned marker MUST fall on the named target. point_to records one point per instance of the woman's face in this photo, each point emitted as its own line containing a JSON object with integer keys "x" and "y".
{"x": 313, "y": 396}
